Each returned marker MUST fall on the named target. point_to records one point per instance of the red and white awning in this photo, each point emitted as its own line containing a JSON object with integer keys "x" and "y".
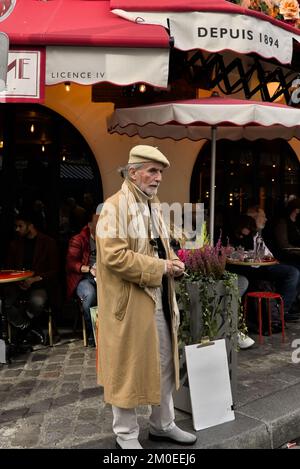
{"x": 193, "y": 119}
{"x": 85, "y": 43}
{"x": 88, "y": 65}
{"x": 212, "y": 118}
{"x": 214, "y": 26}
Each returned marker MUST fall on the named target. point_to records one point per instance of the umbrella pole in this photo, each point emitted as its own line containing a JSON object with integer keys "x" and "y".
{"x": 212, "y": 185}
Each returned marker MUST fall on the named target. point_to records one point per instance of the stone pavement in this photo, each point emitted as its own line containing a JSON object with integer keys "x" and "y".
{"x": 49, "y": 399}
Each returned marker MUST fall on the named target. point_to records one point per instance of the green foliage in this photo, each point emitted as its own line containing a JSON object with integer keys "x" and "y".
{"x": 212, "y": 307}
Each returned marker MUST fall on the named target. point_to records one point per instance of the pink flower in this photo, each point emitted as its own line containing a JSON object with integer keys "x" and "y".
{"x": 208, "y": 261}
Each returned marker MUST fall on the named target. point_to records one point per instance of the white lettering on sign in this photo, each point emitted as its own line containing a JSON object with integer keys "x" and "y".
{"x": 23, "y": 76}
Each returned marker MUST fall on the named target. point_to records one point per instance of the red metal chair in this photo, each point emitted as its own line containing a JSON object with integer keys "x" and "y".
{"x": 268, "y": 296}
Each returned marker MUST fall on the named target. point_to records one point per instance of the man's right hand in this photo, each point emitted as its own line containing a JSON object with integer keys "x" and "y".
{"x": 174, "y": 268}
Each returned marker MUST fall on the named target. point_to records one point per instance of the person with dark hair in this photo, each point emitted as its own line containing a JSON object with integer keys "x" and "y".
{"x": 81, "y": 272}
{"x": 40, "y": 220}
{"x": 25, "y": 301}
{"x": 78, "y": 216}
{"x": 89, "y": 204}
{"x": 284, "y": 277}
{"x": 243, "y": 232}
{"x": 286, "y": 235}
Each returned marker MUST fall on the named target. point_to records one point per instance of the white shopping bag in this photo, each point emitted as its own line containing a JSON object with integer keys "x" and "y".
{"x": 209, "y": 384}
{"x": 94, "y": 319}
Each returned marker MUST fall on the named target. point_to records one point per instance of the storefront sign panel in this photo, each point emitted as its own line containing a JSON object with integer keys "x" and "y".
{"x": 215, "y": 32}
{"x": 121, "y": 66}
{"x": 25, "y": 77}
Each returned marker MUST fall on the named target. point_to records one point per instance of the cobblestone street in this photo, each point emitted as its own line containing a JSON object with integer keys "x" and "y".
{"x": 50, "y": 399}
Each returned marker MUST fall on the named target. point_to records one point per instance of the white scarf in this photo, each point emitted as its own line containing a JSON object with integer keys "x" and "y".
{"x": 143, "y": 225}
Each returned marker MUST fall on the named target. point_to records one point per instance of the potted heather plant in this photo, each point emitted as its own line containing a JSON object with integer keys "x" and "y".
{"x": 208, "y": 294}
{"x": 209, "y": 306}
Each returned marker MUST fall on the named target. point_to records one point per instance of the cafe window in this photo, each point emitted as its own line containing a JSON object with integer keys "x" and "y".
{"x": 42, "y": 157}
{"x": 260, "y": 172}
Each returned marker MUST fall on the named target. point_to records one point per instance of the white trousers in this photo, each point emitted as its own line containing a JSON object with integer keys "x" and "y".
{"x": 125, "y": 424}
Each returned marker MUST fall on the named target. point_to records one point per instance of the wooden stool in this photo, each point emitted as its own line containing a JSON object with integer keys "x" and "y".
{"x": 50, "y": 326}
{"x": 80, "y": 311}
{"x": 267, "y": 296}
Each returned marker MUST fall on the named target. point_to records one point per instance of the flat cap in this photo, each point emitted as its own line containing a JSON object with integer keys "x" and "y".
{"x": 145, "y": 154}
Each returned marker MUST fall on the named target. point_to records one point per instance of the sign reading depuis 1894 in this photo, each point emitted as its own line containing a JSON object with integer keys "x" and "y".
{"x": 217, "y": 31}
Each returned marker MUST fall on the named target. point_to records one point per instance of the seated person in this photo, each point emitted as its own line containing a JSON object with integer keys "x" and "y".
{"x": 284, "y": 277}
{"x": 285, "y": 235}
{"x": 25, "y": 301}
{"x": 81, "y": 272}
{"x": 243, "y": 233}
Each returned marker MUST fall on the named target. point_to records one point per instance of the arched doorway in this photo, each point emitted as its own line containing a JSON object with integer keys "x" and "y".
{"x": 42, "y": 157}
{"x": 260, "y": 172}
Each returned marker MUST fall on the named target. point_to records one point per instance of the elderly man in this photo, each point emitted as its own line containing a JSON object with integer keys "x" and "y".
{"x": 138, "y": 358}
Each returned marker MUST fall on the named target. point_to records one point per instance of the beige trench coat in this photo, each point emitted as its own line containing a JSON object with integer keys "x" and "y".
{"x": 128, "y": 348}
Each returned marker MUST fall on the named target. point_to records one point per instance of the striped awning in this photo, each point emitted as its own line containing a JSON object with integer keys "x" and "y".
{"x": 82, "y": 42}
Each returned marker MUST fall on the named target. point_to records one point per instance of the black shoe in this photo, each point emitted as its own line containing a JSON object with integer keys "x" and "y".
{"x": 292, "y": 317}
{"x": 56, "y": 338}
{"x": 22, "y": 326}
{"x": 36, "y": 337}
{"x": 91, "y": 342}
{"x": 276, "y": 329}
{"x": 19, "y": 347}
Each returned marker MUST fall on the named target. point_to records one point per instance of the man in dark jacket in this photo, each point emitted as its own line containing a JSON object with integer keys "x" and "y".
{"x": 81, "y": 272}
{"x": 32, "y": 250}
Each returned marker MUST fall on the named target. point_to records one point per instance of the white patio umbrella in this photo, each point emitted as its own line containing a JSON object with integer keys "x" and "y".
{"x": 210, "y": 118}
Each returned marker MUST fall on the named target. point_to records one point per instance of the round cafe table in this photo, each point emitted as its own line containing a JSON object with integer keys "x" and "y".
{"x": 251, "y": 263}
{"x": 8, "y": 276}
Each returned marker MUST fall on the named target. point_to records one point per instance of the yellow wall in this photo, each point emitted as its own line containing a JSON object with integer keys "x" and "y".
{"x": 111, "y": 151}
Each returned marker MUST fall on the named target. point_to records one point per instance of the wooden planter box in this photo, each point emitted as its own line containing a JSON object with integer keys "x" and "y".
{"x": 225, "y": 330}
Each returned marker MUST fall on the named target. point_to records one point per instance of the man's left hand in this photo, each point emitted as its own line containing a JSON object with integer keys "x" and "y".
{"x": 178, "y": 268}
